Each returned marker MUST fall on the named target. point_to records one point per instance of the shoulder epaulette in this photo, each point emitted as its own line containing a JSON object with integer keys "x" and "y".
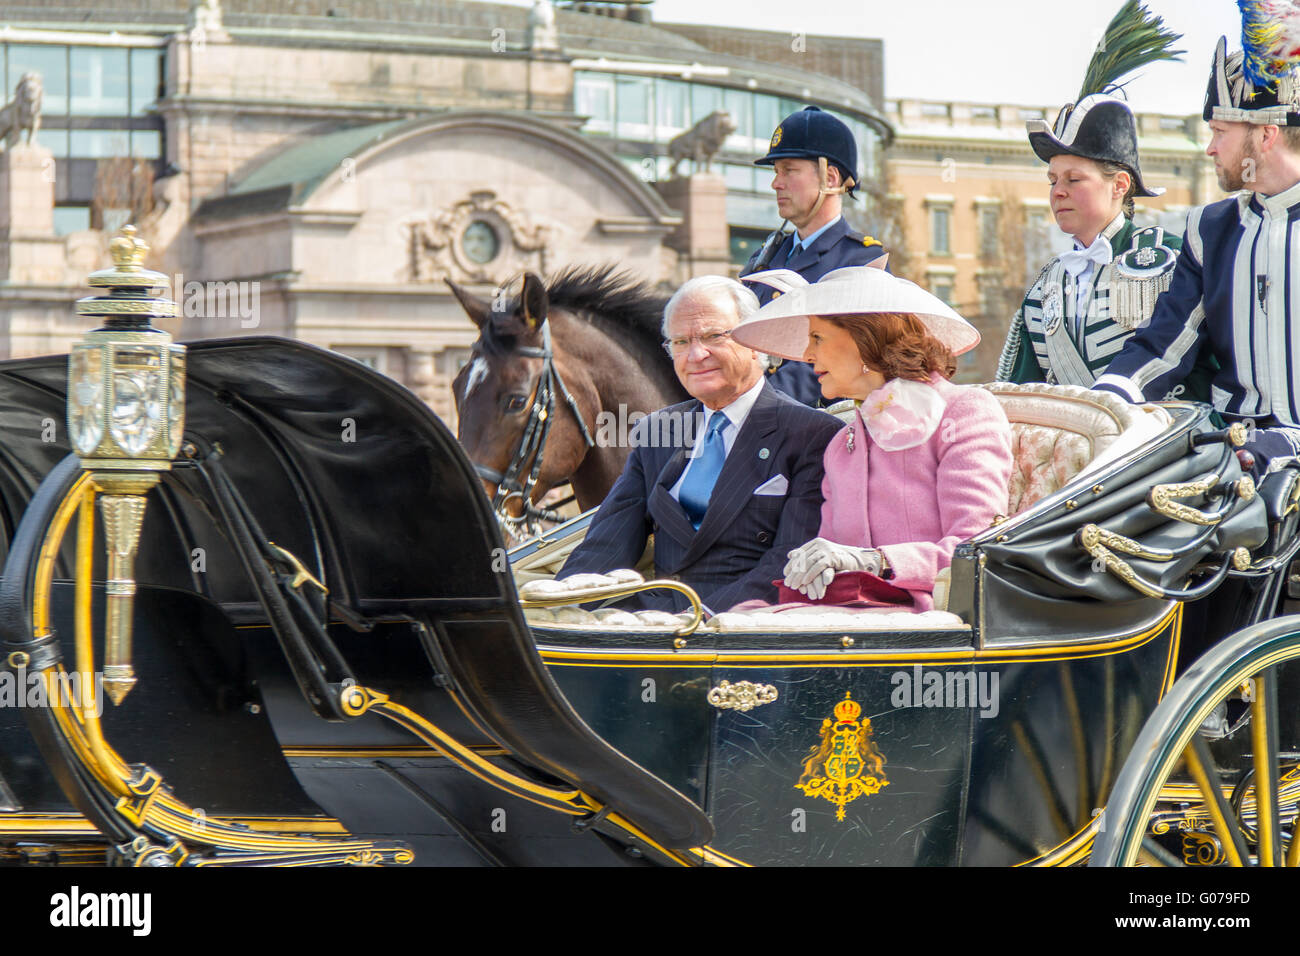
{"x": 1147, "y": 256}
{"x": 864, "y": 239}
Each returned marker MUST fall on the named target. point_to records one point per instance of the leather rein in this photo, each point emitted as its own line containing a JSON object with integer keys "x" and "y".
{"x": 532, "y": 446}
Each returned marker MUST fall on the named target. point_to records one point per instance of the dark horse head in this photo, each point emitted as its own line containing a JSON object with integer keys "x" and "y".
{"x": 559, "y": 374}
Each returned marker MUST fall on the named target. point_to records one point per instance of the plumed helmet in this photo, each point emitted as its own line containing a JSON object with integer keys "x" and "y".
{"x": 812, "y": 133}
{"x": 1250, "y": 86}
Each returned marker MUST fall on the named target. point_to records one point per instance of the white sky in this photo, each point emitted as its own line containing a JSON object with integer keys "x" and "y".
{"x": 1012, "y": 51}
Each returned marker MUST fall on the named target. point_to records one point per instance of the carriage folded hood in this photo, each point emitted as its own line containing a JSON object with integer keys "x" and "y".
{"x": 344, "y": 467}
{"x": 353, "y": 474}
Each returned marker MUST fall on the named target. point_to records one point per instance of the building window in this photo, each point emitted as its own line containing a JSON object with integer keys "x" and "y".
{"x": 990, "y": 223}
{"x": 766, "y": 115}
{"x": 672, "y": 108}
{"x": 71, "y": 219}
{"x": 740, "y": 105}
{"x": 744, "y": 243}
{"x": 941, "y": 230}
{"x": 941, "y": 286}
{"x": 146, "y": 80}
{"x": 593, "y": 97}
{"x": 633, "y": 107}
{"x": 704, "y": 100}
{"x": 990, "y": 285}
{"x": 740, "y": 178}
{"x": 98, "y": 105}
{"x": 374, "y": 358}
{"x": 100, "y": 83}
{"x": 51, "y": 62}
{"x": 99, "y": 143}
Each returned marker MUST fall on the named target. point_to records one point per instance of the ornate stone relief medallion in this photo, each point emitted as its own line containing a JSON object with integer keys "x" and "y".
{"x": 481, "y": 239}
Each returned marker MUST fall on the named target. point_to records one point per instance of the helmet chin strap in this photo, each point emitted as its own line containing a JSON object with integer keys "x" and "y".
{"x": 824, "y": 188}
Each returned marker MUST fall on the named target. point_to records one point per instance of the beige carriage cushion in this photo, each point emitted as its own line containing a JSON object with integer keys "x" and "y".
{"x": 819, "y": 620}
{"x": 809, "y": 619}
{"x": 1059, "y": 432}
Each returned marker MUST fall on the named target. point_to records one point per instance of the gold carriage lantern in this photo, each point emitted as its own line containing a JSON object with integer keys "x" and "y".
{"x": 126, "y": 414}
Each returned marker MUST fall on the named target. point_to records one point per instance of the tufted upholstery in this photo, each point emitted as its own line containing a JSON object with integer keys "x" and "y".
{"x": 1059, "y": 432}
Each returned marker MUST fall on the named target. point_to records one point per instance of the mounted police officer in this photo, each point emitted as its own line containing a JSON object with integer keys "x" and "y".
{"x": 815, "y": 160}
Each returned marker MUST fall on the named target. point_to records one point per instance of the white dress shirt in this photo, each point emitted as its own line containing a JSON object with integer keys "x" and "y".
{"x": 736, "y": 414}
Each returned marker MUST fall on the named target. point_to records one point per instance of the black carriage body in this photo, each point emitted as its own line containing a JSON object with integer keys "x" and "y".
{"x": 1057, "y": 668}
{"x": 991, "y": 756}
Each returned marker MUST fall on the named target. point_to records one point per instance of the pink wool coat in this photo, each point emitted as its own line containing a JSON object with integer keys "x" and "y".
{"x": 918, "y": 504}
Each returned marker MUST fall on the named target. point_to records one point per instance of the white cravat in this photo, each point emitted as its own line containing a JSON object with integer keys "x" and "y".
{"x": 1081, "y": 263}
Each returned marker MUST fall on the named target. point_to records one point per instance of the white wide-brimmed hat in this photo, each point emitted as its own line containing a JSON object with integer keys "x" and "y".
{"x": 781, "y": 327}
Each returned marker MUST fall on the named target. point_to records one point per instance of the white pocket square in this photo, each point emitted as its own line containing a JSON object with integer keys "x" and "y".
{"x": 776, "y": 485}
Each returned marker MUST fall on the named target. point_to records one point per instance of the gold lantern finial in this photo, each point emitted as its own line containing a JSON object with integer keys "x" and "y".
{"x": 127, "y": 250}
{"x": 126, "y": 414}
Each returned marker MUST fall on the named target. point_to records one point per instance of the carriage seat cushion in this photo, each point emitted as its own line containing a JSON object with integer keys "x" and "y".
{"x": 579, "y": 587}
{"x": 1061, "y": 432}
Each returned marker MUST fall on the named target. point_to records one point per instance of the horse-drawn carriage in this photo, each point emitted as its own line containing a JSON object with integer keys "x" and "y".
{"x": 331, "y": 662}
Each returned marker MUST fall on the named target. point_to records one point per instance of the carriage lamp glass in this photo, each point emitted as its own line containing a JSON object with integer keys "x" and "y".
{"x": 85, "y": 398}
{"x": 176, "y": 403}
{"x": 126, "y": 402}
{"x": 138, "y": 398}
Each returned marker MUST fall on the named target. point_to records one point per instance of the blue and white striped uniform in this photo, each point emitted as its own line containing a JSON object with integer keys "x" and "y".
{"x": 1235, "y": 291}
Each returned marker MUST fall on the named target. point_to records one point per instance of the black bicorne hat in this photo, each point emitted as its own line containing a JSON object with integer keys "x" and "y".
{"x": 810, "y": 134}
{"x": 1097, "y": 127}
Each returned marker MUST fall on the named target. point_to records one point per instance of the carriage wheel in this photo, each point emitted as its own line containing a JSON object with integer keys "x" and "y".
{"x": 1257, "y": 668}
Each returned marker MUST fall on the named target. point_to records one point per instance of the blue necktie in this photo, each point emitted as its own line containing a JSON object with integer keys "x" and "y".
{"x": 702, "y": 474}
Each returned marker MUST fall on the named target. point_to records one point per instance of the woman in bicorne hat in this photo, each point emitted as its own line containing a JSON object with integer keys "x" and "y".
{"x": 1085, "y": 303}
{"x": 923, "y": 465}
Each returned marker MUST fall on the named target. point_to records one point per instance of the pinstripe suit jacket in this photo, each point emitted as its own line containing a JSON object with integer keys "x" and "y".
{"x": 742, "y": 543}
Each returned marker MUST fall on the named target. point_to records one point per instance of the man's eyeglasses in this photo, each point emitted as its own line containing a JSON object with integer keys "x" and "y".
{"x": 710, "y": 340}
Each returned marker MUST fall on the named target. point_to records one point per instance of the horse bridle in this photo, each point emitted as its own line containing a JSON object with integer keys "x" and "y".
{"x": 532, "y": 445}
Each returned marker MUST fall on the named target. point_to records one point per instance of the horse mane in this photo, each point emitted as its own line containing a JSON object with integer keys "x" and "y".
{"x": 615, "y": 301}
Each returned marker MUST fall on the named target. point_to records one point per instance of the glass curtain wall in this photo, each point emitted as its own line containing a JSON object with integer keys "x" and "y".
{"x": 96, "y": 101}
{"x": 652, "y": 110}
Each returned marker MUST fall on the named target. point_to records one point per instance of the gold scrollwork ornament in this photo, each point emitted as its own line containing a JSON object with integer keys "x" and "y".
{"x": 1202, "y": 849}
{"x": 742, "y": 696}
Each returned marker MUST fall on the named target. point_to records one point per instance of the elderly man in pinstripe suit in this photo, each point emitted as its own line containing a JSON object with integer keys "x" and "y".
{"x": 727, "y": 483}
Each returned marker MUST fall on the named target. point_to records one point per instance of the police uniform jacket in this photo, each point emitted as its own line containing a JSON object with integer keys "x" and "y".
{"x": 1235, "y": 294}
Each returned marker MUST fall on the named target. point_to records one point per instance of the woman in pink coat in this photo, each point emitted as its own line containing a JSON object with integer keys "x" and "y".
{"x": 925, "y": 463}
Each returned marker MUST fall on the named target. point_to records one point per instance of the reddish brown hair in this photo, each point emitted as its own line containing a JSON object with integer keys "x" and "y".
{"x": 896, "y": 344}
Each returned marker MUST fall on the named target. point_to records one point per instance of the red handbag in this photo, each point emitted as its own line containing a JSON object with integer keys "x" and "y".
{"x": 850, "y": 589}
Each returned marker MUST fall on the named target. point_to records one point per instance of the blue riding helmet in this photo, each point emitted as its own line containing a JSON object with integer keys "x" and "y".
{"x": 812, "y": 134}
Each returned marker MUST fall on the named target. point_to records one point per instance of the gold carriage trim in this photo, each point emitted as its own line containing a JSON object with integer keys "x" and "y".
{"x": 846, "y": 764}
{"x": 742, "y": 696}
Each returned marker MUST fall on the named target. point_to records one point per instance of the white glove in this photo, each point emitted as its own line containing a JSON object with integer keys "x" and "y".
{"x": 812, "y": 566}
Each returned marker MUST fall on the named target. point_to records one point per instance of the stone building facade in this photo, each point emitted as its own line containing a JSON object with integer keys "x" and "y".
{"x": 317, "y": 169}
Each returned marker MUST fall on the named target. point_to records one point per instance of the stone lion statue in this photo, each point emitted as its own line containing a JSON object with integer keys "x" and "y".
{"x": 23, "y": 112}
{"x": 702, "y": 141}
